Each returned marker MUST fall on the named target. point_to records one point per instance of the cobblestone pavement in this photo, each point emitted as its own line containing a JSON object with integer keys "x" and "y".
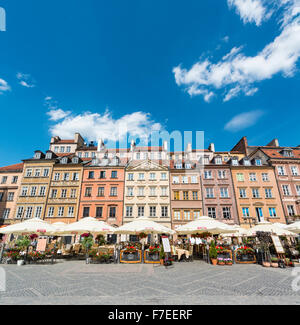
{"x": 74, "y": 282}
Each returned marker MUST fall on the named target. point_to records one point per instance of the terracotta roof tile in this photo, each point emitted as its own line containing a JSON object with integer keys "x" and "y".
{"x": 16, "y": 167}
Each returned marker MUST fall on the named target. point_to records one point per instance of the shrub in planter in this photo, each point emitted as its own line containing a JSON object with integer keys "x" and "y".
{"x": 213, "y": 254}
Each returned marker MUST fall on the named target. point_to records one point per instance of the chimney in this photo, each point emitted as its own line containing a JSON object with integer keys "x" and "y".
{"x": 132, "y": 145}
{"x": 78, "y": 139}
{"x": 211, "y": 147}
{"x": 101, "y": 145}
{"x": 273, "y": 143}
{"x": 165, "y": 146}
{"x": 188, "y": 148}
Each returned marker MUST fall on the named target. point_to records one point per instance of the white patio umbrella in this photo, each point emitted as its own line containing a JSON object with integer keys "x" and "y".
{"x": 30, "y": 226}
{"x": 143, "y": 225}
{"x": 87, "y": 225}
{"x": 205, "y": 224}
{"x": 269, "y": 227}
{"x": 294, "y": 227}
{"x": 240, "y": 232}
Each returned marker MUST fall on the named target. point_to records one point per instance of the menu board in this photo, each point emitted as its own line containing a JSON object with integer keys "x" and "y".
{"x": 41, "y": 245}
{"x": 166, "y": 244}
{"x": 278, "y": 245}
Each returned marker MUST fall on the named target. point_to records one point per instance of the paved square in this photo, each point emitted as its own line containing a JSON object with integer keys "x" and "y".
{"x": 74, "y": 282}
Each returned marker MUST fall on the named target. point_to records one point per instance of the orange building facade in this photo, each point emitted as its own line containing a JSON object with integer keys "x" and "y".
{"x": 102, "y": 190}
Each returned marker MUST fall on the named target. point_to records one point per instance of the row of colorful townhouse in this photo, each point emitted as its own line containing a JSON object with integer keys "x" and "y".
{"x": 73, "y": 180}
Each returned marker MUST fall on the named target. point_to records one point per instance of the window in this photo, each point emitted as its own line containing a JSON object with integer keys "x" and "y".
{"x": 86, "y": 212}
{"x": 164, "y": 191}
{"x": 99, "y": 212}
{"x": 209, "y": 192}
{"x": 129, "y": 191}
{"x": 280, "y": 170}
{"x": 129, "y": 211}
{"x": 61, "y": 211}
{"x": 286, "y": 189}
{"x": 37, "y": 173}
{"x": 42, "y": 191}
{"x": 259, "y": 214}
{"x": 141, "y": 176}
{"x": 66, "y": 177}
{"x": 86, "y": 155}
{"x": 102, "y": 174}
{"x": 268, "y": 192}
{"x": 196, "y": 214}
{"x": 71, "y": 212}
{"x": 114, "y": 174}
{"x": 265, "y": 177}
{"x": 141, "y": 191}
{"x": 272, "y": 212}
{"x": 177, "y": 215}
{"x": 222, "y": 174}
{"x": 53, "y": 194}
{"x": 255, "y": 193}
{"x": 194, "y": 179}
{"x": 88, "y": 191}
{"x": 218, "y": 160}
{"x": 240, "y": 177}
{"x": 28, "y": 213}
{"x": 152, "y": 176}
{"x": 234, "y": 162}
{"x": 91, "y": 175}
{"x": 56, "y": 149}
{"x": 252, "y": 177}
{"x": 243, "y": 193}
{"x": 226, "y": 213}
{"x": 138, "y": 156}
{"x": 10, "y": 196}
{"x": 224, "y": 192}
{"x": 56, "y": 176}
{"x": 152, "y": 191}
{"x": 211, "y": 212}
{"x": 28, "y": 172}
{"x": 184, "y": 180}
{"x": 245, "y": 212}
{"x": 33, "y": 191}
{"x": 75, "y": 176}
{"x": 185, "y": 195}
{"x": 73, "y": 193}
{"x": 178, "y": 166}
{"x": 258, "y": 162}
{"x": 163, "y": 176}
{"x": 141, "y": 210}
{"x": 24, "y": 191}
{"x": 207, "y": 174}
{"x": 113, "y": 191}
{"x": 38, "y": 212}
{"x": 175, "y": 180}
{"x": 164, "y": 211}
{"x": 130, "y": 177}
{"x": 46, "y": 172}
{"x": 294, "y": 170}
{"x": 14, "y": 180}
{"x": 152, "y": 211}
{"x": 63, "y": 193}
{"x": 50, "y": 211}
{"x": 100, "y": 191}
{"x": 6, "y": 213}
{"x": 62, "y": 149}
{"x": 195, "y": 195}
{"x": 68, "y": 149}
{"x": 291, "y": 210}
{"x": 298, "y": 189}
{"x": 1, "y": 196}
{"x": 187, "y": 215}
{"x": 79, "y": 154}
{"x": 176, "y": 195}
{"x": 19, "y": 213}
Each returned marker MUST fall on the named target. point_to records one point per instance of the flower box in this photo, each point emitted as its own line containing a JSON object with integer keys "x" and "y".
{"x": 131, "y": 257}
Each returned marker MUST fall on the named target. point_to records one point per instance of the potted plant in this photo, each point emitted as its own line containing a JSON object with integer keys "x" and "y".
{"x": 228, "y": 261}
{"x": 221, "y": 261}
{"x": 23, "y": 244}
{"x": 274, "y": 261}
{"x": 162, "y": 255}
{"x": 213, "y": 254}
{"x": 87, "y": 242}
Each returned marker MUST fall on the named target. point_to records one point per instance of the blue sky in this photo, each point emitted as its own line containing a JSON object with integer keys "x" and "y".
{"x": 227, "y": 67}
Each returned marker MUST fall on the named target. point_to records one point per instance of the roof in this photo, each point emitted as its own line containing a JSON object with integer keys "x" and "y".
{"x": 63, "y": 142}
{"x": 12, "y": 168}
{"x": 276, "y": 153}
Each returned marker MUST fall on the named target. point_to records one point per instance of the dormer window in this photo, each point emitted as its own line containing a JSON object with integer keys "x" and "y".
{"x": 75, "y": 160}
{"x": 206, "y": 160}
{"x": 258, "y": 162}
{"x": 234, "y": 162}
{"x": 287, "y": 153}
{"x": 218, "y": 160}
{"x": 247, "y": 162}
{"x": 178, "y": 166}
{"x": 95, "y": 161}
{"x": 64, "y": 160}
{"x": 37, "y": 155}
{"x": 188, "y": 166}
{"x": 49, "y": 155}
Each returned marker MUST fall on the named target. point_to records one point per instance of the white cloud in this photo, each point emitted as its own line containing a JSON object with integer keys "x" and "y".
{"x": 4, "y": 86}
{"x": 251, "y": 10}
{"x": 237, "y": 73}
{"x": 243, "y": 120}
{"x": 94, "y": 126}
{"x": 25, "y": 80}
{"x": 57, "y": 114}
